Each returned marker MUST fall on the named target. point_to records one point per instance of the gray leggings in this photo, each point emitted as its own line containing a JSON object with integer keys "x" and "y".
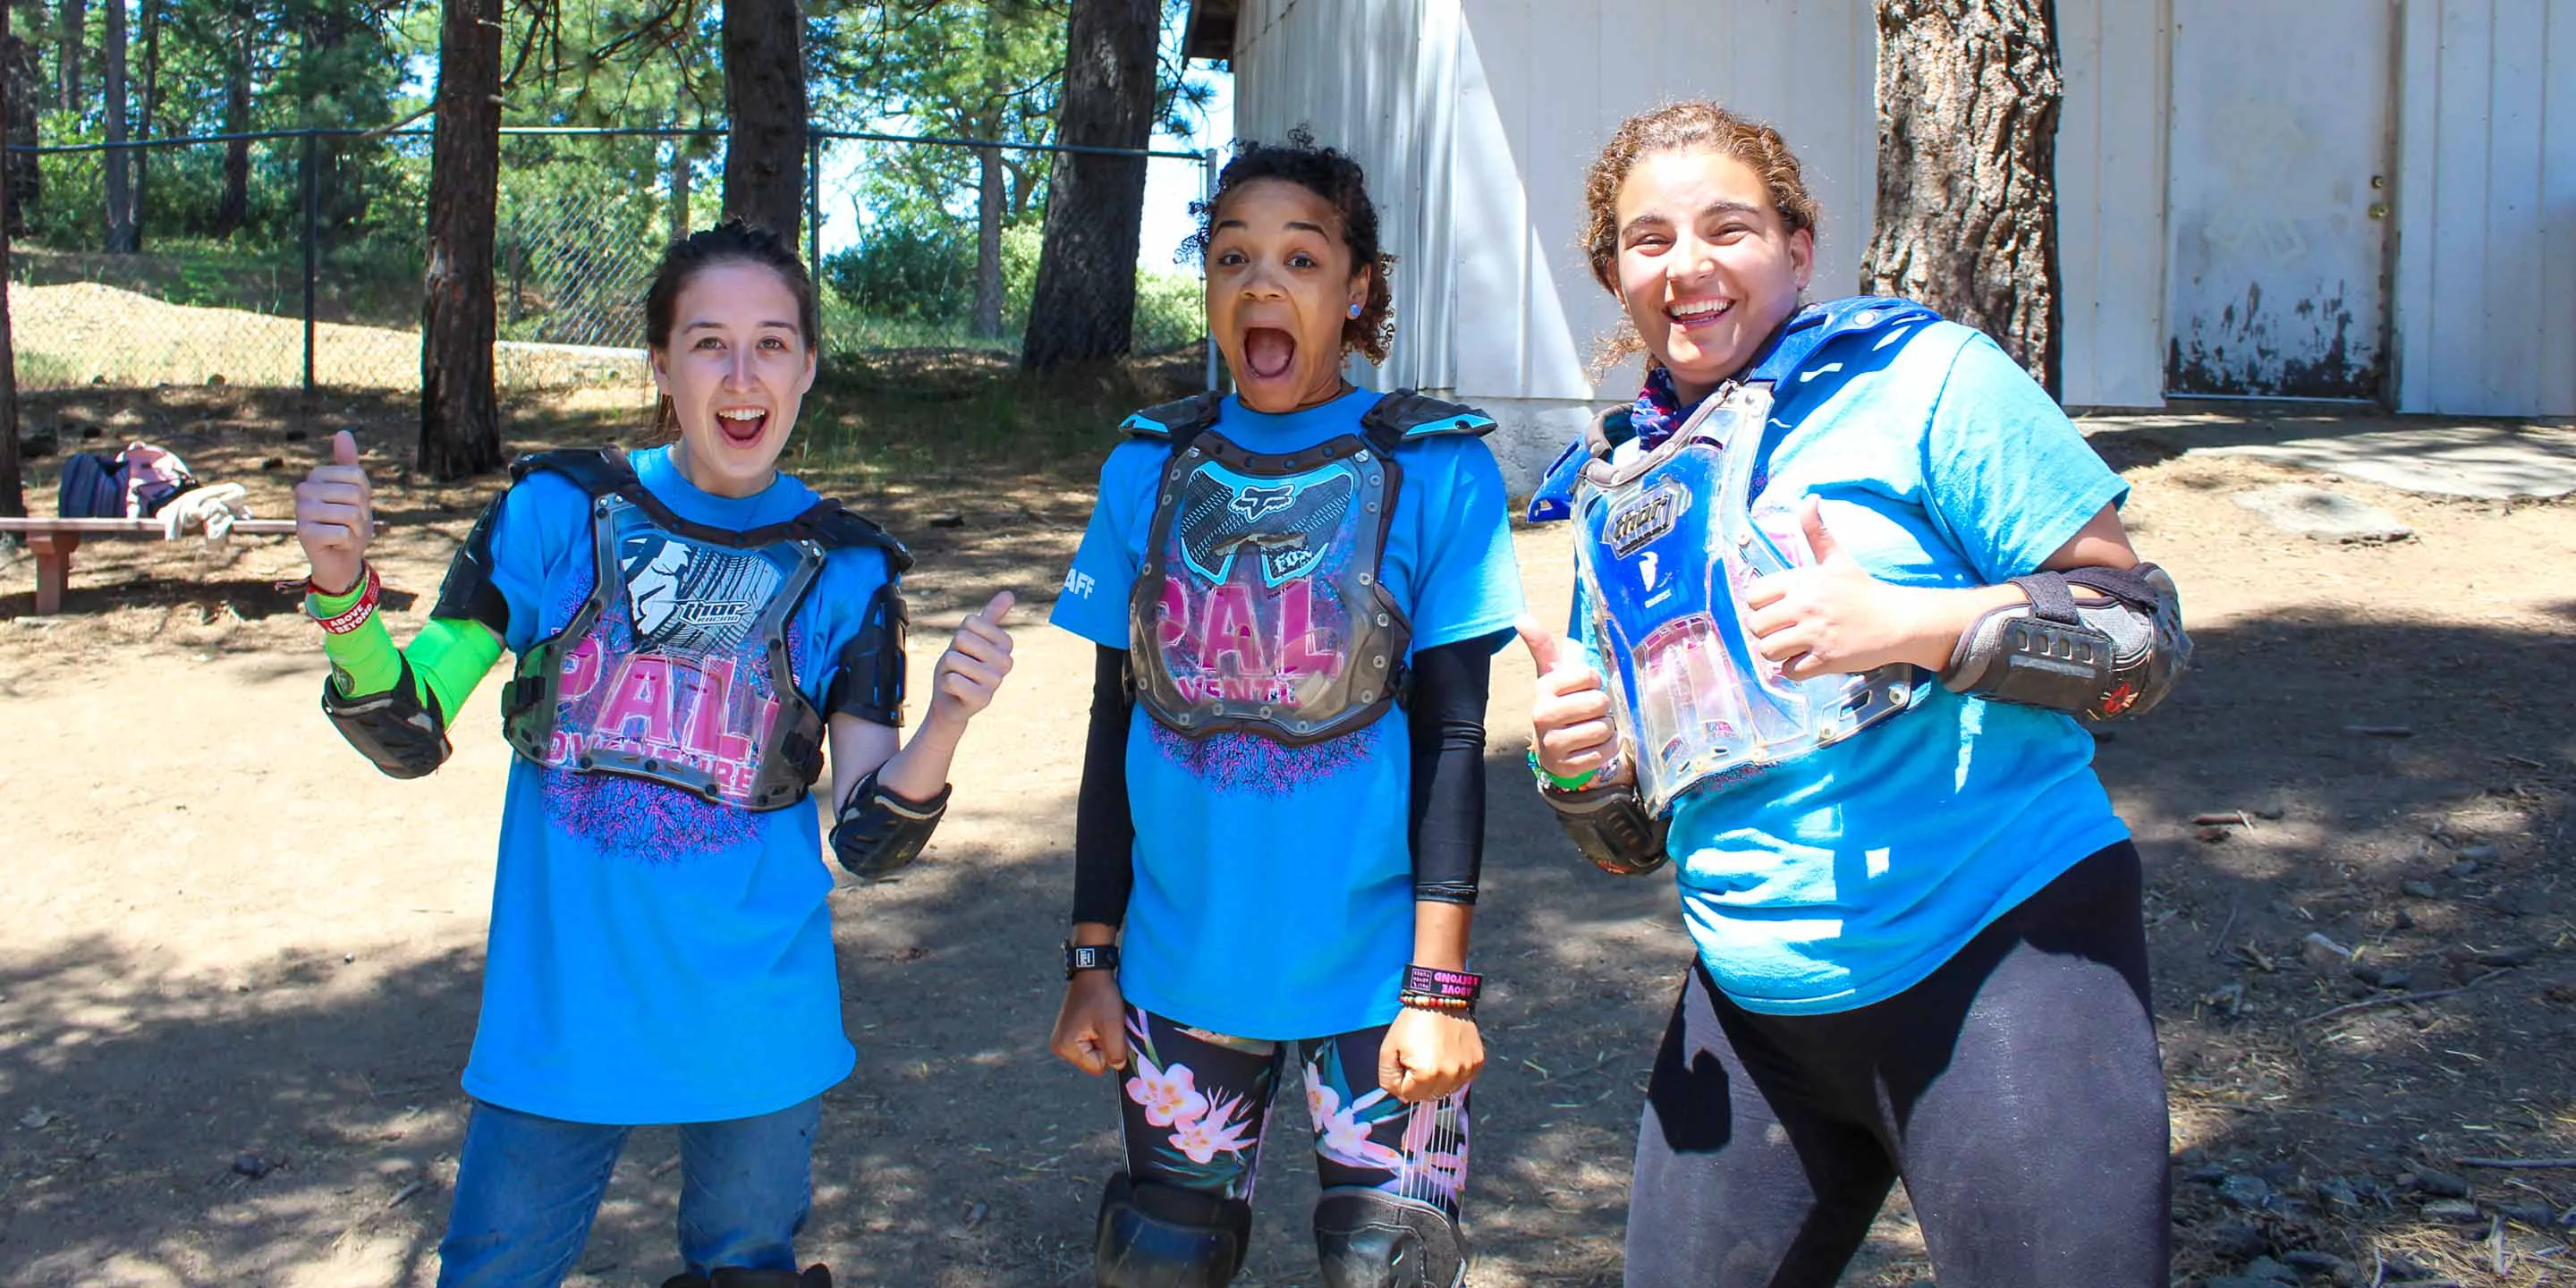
{"x": 2017, "y": 1092}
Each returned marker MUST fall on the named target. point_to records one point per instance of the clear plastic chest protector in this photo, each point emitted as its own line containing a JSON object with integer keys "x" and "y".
{"x": 1665, "y": 545}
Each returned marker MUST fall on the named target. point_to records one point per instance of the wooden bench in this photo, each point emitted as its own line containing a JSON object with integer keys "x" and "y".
{"x": 52, "y": 541}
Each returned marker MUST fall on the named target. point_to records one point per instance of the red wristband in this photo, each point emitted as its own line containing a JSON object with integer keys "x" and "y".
{"x": 355, "y": 615}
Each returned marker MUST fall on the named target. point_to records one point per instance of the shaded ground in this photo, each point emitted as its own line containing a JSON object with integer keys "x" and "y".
{"x": 227, "y": 938}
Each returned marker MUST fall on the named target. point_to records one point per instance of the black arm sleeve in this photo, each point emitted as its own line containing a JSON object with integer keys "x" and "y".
{"x": 1447, "y": 715}
{"x": 1104, "y": 827}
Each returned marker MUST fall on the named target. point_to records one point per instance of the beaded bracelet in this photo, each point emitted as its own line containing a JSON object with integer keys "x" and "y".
{"x": 1456, "y": 1006}
{"x": 1561, "y": 782}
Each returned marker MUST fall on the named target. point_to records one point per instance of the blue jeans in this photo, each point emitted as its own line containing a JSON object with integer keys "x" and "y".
{"x": 527, "y": 1188}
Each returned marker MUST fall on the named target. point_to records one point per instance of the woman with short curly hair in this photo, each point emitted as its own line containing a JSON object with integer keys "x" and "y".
{"x": 1919, "y": 948}
{"x": 1296, "y": 592}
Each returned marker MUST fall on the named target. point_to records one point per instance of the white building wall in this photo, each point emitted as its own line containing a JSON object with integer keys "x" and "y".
{"x": 2111, "y": 162}
{"x": 1476, "y": 119}
{"x": 1529, "y": 91}
{"x": 2486, "y": 252}
{"x": 1353, "y": 72}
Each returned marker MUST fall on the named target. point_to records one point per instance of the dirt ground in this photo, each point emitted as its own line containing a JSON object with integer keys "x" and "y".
{"x": 239, "y": 970}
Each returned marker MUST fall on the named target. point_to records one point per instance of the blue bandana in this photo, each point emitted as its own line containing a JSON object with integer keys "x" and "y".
{"x": 1658, "y": 410}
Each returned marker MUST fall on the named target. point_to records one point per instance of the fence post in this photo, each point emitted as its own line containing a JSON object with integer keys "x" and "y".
{"x": 1207, "y": 193}
{"x": 814, "y": 203}
{"x": 312, "y": 240}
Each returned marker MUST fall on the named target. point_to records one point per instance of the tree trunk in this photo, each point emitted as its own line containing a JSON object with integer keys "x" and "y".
{"x": 986, "y": 323}
{"x": 764, "y": 63}
{"x": 24, "y": 180}
{"x": 13, "y": 488}
{"x": 68, "y": 61}
{"x": 151, "y": 107}
{"x": 680, "y": 166}
{"x": 460, "y": 422}
{"x": 119, "y": 161}
{"x": 232, "y": 209}
{"x": 1085, "y": 304}
{"x": 1968, "y": 97}
{"x": 327, "y": 29}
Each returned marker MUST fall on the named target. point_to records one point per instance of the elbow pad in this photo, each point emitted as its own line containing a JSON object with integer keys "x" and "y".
{"x": 1610, "y": 825}
{"x": 404, "y": 738}
{"x": 2093, "y": 642}
{"x": 879, "y": 833}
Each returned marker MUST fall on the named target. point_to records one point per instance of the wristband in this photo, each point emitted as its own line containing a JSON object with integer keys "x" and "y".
{"x": 1445, "y": 985}
{"x": 355, "y": 615}
{"x": 1083, "y": 957}
{"x": 1558, "y": 781}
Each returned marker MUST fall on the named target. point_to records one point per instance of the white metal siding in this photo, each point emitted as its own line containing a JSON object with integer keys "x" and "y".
{"x": 1546, "y": 84}
{"x": 1526, "y": 93}
{"x": 1476, "y": 120}
{"x": 2111, "y": 199}
{"x": 1499, "y": 305}
{"x": 2486, "y": 255}
{"x": 1349, "y": 71}
{"x": 2280, "y": 126}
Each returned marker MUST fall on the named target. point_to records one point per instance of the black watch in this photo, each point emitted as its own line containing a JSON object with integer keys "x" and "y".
{"x": 1083, "y": 957}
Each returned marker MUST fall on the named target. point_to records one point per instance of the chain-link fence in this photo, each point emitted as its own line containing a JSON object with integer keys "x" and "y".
{"x": 295, "y": 259}
{"x": 933, "y": 243}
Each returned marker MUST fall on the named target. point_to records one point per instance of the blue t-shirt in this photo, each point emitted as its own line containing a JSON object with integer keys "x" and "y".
{"x": 1274, "y": 884}
{"x": 1846, "y": 876}
{"x": 655, "y": 957}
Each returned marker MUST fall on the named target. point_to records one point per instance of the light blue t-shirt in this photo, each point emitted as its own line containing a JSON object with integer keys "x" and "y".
{"x": 1847, "y": 876}
{"x": 1274, "y": 884}
{"x": 655, "y": 957}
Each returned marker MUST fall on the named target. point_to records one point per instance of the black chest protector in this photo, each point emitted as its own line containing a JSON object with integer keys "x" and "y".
{"x": 676, "y": 668}
{"x": 1262, "y": 607}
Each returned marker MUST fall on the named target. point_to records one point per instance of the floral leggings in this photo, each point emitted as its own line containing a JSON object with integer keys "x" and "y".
{"x": 1196, "y": 1103}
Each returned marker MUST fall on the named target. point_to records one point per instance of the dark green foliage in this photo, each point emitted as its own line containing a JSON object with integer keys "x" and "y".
{"x": 908, "y": 270}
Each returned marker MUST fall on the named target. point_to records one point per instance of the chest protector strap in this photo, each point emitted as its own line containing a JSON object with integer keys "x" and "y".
{"x": 676, "y": 668}
{"x": 1261, "y": 607}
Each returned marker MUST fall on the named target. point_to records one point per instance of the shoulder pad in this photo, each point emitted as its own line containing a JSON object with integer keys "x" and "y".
{"x": 1406, "y": 414}
{"x": 598, "y": 471}
{"x": 1180, "y": 418}
{"x": 1553, "y": 502}
{"x": 837, "y": 527}
{"x": 1818, "y": 325}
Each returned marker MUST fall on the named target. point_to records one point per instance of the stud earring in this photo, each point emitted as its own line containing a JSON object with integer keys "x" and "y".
{"x": 1355, "y": 311}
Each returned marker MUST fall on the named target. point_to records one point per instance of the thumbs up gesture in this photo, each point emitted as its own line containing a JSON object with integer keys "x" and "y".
{"x": 970, "y": 672}
{"x": 1569, "y": 711}
{"x": 1833, "y": 617}
{"x": 335, "y": 517}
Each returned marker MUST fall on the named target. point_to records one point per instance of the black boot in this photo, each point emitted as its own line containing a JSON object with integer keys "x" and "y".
{"x": 814, "y": 1276}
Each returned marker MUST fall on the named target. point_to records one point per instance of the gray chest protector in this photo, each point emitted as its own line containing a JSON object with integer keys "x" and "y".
{"x": 1262, "y": 607}
{"x": 675, "y": 668}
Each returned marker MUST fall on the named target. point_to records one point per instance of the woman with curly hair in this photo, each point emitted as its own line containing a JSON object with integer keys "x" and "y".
{"x": 1296, "y": 592}
{"x": 1920, "y": 951}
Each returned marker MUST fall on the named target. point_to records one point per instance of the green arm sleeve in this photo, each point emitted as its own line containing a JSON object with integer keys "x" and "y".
{"x": 448, "y": 658}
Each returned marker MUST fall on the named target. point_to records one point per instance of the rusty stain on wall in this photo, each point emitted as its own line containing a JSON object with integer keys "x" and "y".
{"x": 2317, "y": 348}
